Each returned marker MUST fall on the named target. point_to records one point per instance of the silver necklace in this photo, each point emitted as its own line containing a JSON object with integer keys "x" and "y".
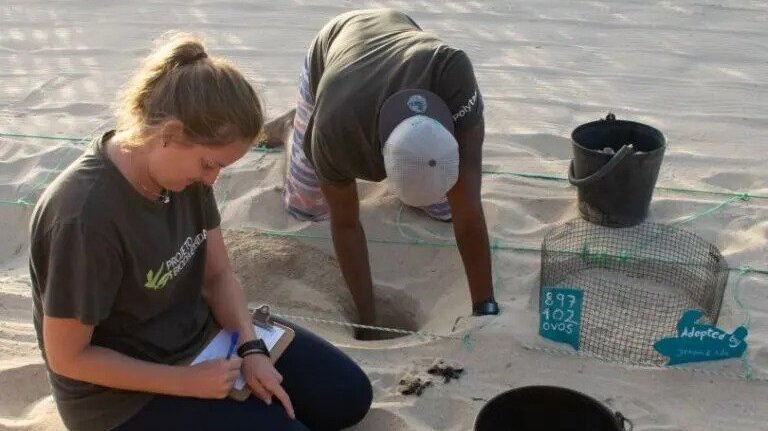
{"x": 163, "y": 197}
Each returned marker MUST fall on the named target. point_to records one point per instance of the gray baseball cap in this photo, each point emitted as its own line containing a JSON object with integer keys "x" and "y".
{"x": 421, "y": 155}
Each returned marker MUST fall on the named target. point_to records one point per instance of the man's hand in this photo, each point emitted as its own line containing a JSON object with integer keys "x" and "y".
{"x": 264, "y": 380}
{"x": 468, "y": 219}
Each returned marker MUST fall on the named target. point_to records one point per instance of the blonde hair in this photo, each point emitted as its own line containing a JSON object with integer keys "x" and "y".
{"x": 178, "y": 80}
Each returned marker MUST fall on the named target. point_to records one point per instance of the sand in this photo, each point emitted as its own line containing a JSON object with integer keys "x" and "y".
{"x": 695, "y": 70}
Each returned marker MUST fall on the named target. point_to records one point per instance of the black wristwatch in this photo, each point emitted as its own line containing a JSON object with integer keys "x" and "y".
{"x": 486, "y": 308}
{"x": 252, "y": 347}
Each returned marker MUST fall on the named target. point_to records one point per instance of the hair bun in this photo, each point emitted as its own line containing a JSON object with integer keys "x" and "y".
{"x": 195, "y": 58}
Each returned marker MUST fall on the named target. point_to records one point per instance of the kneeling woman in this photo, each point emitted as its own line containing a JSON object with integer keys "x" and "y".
{"x": 130, "y": 272}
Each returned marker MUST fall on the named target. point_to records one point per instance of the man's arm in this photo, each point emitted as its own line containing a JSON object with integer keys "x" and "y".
{"x": 467, "y": 211}
{"x": 350, "y": 245}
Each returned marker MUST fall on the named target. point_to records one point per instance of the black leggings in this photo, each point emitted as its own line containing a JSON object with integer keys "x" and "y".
{"x": 327, "y": 389}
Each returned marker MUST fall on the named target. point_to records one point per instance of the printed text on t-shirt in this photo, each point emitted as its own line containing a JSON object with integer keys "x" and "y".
{"x": 174, "y": 265}
{"x": 466, "y": 109}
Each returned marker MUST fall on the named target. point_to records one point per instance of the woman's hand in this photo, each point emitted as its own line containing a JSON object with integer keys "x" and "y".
{"x": 213, "y": 379}
{"x": 264, "y": 380}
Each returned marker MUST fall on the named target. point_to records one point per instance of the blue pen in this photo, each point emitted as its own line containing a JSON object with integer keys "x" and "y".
{"x": 233, "y": 344}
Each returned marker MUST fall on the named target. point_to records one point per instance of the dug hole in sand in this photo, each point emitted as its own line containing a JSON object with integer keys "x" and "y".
{"x": 296, "y": 279}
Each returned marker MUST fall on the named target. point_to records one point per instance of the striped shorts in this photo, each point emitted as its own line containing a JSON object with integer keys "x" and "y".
{"x": 302, "y": 195}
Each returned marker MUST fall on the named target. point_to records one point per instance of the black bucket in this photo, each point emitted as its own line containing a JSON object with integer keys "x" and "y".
{"x": 615, "y": 166}
{"x": 550, "y": 408}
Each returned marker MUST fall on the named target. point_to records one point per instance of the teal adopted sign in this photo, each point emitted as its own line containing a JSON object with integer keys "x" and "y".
{"x": 560, "y": 315}
{"x": 697, "y": 342}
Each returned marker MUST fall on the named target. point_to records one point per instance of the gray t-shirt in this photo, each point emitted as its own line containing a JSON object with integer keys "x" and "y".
{"x": 105, "y": 255}
{"x": 356, "y": 62}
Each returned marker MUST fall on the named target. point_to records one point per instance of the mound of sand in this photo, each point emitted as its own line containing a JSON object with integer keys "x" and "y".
{"x": 299, "y": 280}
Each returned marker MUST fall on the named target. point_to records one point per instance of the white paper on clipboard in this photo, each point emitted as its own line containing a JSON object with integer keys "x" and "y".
{"x": 219, "y": 346}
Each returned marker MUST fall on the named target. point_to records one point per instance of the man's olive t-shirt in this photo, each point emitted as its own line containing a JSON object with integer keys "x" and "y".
{"x": 105, "y": 255}
{"x": 355, "y": 63}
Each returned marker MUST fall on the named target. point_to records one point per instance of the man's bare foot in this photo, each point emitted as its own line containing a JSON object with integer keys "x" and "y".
{"x": 275, "y": 131}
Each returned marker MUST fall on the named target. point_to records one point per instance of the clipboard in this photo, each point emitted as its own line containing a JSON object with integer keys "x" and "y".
{"x": 261, "y": 318}
{"x": 262, "y": 323}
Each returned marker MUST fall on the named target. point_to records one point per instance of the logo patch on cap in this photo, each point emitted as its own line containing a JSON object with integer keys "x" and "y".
{"x": 417, "y": 103}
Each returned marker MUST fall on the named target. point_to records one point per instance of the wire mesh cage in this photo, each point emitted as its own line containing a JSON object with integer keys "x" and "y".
{"x": 635, "y": 283}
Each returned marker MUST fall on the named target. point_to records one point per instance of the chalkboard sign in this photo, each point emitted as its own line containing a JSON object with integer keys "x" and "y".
{"x": 560, "y": 314}
{"x": 699, "y": 342}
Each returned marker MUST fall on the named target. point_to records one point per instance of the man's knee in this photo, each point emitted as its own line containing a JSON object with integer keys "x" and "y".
{"x": 303, "y": 214}
{"x": 304, "y": 208}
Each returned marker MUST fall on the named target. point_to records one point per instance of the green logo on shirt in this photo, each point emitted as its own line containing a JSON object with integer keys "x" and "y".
{"x": 159, "y": 280}
{"x": 171, "y": 267}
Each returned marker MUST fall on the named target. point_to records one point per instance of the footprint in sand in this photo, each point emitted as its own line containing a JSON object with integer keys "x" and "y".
{"x": 643, "y": 415}
{"x": 79, "y": 109}
{"x": 42, "y": 92}
{"x": 21, "y": 387}
{"x": 759, "y": 360}
{"x": 379, "y": 419}
{"x": 384, "y": 385}
{"x": 738, "y": 182}
{"x": 547, "y": 147}
{"x": 14, "y": 240}
{"x": 443, "y": 413}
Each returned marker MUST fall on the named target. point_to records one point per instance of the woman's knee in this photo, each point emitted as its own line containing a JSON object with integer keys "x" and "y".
{"x": 331, "y": 391}
{"x": 358, "y": 400}
{"x": 351, "y": 405}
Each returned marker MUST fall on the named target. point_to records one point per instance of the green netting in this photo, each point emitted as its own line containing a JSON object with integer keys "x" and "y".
{"x": 223, "y": 191}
